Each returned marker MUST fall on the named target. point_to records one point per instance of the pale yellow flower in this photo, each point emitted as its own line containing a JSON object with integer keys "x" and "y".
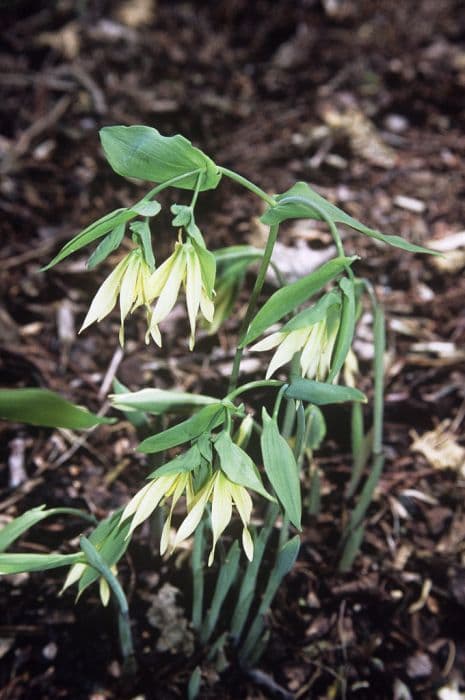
{"x": 221, "y": 491}
{"x": 187, "y": 267}
{"x": 315, "y": 342}
{"x": 129, "y": 281}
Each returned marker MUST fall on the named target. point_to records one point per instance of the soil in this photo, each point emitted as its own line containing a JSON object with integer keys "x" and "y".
{"x": 365, "y": 101}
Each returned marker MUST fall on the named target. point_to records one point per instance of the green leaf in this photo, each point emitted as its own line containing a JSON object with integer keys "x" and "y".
{"x": 142, "y": 230}
{"x": 110, "y": 243}
{"x": 345, "y": 333}
{"x": 14, "y": 529}
{"x": 317, "y": 427}
{"x": 206, "y": 419}
{"x": 185, "y": 462}
{"x": 238, "y": 466}
{"x": 92, "y": 232}
{"x": 285, "y": 561}
{"x": 321, "y": 393}
{"x": 20, "y": 563}
{"x": 281, "y": 469}
{"x": 301, "y": 202}
{"x": 146, "y": 207}
{"x": 292, "y": 295}
{"x": 138, "y": 419}
{"x": 142, "y": 152}
{"x": 45, "y": 408}
{"x": 159, "y": 401}
{"x": 314, "y": 314}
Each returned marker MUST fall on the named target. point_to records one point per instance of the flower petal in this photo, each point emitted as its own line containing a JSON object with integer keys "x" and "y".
{"x": 242, "y": 501}
{"x": 193, "y": 290}
{"x": 106, "y": 297}
{"x": 194, "y": 516}
{"x": 74, "y": 574}
{"x": 221, "y": 510}
{"x": 207, "y": 307}
{"x": 104, "y": 591}
{"x": 268, "y": 343}
{"x": 287, "y": 349}
{"x": 170, "y": 291}
{"x": 247, "y": 543}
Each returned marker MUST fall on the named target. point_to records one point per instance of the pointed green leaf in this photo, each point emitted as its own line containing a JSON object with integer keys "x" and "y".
{"x": 159, "y": 401}
{"x": 185, "y": 462}
{"x": 45, "y": 408}
{"x": 285, "y": 561}
{"x": 345, "y": 333}
{"x": 288, "y": 298}
{"x": 92, "y": 232}
{"x": 281, "y": 469}
{"x": 142, "y": 152}
{"x": 301, "y": 202}
{"x": 317, "y": 427}
{"x": 321, "y": 393}
{"x": 20, "y": 563}
{"x": 206, "y": 419}
{"x": 137, "y": 418}
{"x": 110, "y": 243}
{"x": 314, "y": 314}
{"x": 238, "y": 466}
{"x": 14, "y": 529}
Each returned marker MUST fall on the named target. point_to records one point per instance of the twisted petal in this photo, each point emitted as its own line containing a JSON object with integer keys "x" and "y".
{"x": 107, "y": 295}
{"x": 194, "y": 516}
{"x": 170, "y": 291}
{"x": 221, "y": 510}
{"x": 179, "y": 487}
{"x": 269, "y": 342}
{"x": 243, "y": 503}
{"x": 146, "y": 500}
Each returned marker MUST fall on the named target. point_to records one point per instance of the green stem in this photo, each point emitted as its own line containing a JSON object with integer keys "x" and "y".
{"x": 253, "y": 385}
{"x": 354, "y": 531}
{"x": 198, "y": 576}
{"x": 253, "y": 303}
{"x": 197, "y": 189}
{"x": 248, "y": 185}
{"x": 277, "y": 403}
{"x": 168, "y": 183}
{"x": 124, "y": 627}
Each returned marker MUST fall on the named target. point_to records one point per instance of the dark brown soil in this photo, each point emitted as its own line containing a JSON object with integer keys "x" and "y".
{"x": 365, "y": 100}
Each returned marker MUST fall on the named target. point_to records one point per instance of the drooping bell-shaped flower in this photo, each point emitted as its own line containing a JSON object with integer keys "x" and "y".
{"x": 315, "y": 341}
{"x": 190, "y": 267}
{"x": 129, "y": 280}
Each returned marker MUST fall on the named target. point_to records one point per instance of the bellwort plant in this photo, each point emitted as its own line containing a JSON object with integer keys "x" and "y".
{"x": 227, "y": 475}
